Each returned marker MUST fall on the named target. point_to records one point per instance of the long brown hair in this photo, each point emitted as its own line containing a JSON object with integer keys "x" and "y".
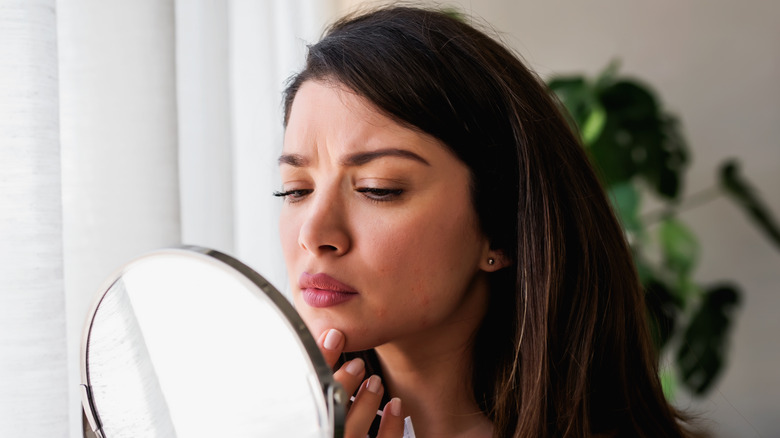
{"x": 564, "y": 349}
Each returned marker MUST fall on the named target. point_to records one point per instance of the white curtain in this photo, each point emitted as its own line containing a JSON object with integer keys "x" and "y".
{"x": 118, "y": 136}
{"x": 125, "y": 127}
{"x": 33, "y": 349}
{"x": 233, "y": 60}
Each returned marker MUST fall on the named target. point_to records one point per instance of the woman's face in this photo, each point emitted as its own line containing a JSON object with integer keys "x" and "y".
{"x": 378, "y": 230}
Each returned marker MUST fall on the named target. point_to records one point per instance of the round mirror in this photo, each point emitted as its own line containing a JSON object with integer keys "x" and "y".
{"x": 189, "y": 342}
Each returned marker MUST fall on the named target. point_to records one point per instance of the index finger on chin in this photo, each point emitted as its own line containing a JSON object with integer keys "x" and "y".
{"x": 331, "y": 343}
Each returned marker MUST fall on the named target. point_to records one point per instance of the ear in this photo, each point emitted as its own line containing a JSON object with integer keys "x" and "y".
{"x": 494, "y": 260}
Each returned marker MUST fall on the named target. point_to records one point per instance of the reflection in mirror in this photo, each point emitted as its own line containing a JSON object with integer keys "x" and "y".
{"x": 189, "y": 342}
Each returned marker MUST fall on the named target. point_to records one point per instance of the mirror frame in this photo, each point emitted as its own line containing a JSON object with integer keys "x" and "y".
{"x": 334, "y": 394}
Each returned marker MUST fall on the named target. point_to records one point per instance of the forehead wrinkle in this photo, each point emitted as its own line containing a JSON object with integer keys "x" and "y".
{"x": 364, "y": 119}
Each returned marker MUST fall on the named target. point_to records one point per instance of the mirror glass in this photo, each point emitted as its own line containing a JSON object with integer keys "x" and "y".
{"x": 189, "y": 342}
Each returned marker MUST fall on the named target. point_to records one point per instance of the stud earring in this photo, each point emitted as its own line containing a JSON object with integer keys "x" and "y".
{"x": 491, "y": 261}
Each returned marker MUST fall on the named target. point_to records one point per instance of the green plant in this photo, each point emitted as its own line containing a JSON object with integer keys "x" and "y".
{"x": 639, "y": 150}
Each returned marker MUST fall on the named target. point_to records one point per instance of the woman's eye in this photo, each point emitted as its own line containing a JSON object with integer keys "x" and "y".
{"x": 378, "y": 194}
{"x": 293, "y": 195}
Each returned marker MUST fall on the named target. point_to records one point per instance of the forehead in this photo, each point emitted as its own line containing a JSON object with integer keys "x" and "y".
{"x": 330, "y": 114}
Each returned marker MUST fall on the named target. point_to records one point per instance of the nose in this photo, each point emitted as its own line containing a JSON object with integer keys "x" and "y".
{"x": 325, "y": 230}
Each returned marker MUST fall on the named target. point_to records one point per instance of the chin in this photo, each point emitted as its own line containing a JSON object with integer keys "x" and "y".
{"x": 318, "y": 323}
{"x": 356, "y": 338}
{"x": 356, "y": 343}
{"x": 359, "y": 336}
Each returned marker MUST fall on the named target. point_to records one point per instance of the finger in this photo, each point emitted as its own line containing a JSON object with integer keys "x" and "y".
{"x": 351, "y": 374}
{"x": 363, "y": 410}
{"x": 331, "y": 343}
{"x": 392, "y": 425}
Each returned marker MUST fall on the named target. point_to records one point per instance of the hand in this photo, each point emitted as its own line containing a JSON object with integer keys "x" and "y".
{"x": 363, "y": 410}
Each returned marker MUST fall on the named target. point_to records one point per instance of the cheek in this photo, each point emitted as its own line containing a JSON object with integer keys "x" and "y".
{"x": 426, "y": 245}
{"x": 431, "y": 257}
{"x": 407, "y": 258}
{"x": 288, "y": 235}
{"x": 396, "y": 251}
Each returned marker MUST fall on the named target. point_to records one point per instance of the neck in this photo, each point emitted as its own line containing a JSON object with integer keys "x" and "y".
{"x": 431, "y": 373}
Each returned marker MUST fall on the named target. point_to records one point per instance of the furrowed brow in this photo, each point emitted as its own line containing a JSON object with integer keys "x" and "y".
{"x": 293, "y": 160}
{"x": 361, "y": 158}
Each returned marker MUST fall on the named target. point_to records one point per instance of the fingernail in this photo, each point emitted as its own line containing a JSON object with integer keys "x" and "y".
{"x": 373, "y": 384}
{"x": 355, "y": 366}
{"x": 332, "y": 339}
{"x": 395, "y": 406}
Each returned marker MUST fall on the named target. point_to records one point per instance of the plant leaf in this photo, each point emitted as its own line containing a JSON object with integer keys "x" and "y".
{"x": 648, "y": 141}
{"x": 611, "y": 153}
{"x": 625, "y": 201}
{"x": 594, "y": 124}
{"x": 741, "y": 191}
{"x": 668, "y": 383}
{"x": 579, "y": 99}
{"x": 454, "y": 13}
{"x": 643, "y": 269}
{"x": 632, "y": 100}
{"x": 679, "y": 246}
{"x": 630, "y": 132}
{"x": 666, "y": 160}
{"x": 608, "y": 76}
{"x": 702, "y": 353}
{"x": 662, "y": 309}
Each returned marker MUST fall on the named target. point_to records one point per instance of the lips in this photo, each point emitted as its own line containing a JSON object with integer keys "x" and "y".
{"x": 322, "y": 290}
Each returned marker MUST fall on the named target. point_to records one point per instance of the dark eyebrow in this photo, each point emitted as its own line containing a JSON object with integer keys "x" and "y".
{"x": 293, "y": 160}
{"x": 356, "y": 159}
{"x": 360, "y": 158}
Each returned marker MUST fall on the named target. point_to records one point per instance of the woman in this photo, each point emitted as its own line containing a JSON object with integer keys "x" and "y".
{"x": 442, "y": 222}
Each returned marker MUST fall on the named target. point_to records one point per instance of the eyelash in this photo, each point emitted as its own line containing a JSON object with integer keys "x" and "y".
{"x": 293, "y": 195}
{"x": 380, "y": 195}
{"x": 372, "y": 193}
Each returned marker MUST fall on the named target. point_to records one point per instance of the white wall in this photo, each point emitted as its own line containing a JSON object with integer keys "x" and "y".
{"x": 715, "y": 63}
